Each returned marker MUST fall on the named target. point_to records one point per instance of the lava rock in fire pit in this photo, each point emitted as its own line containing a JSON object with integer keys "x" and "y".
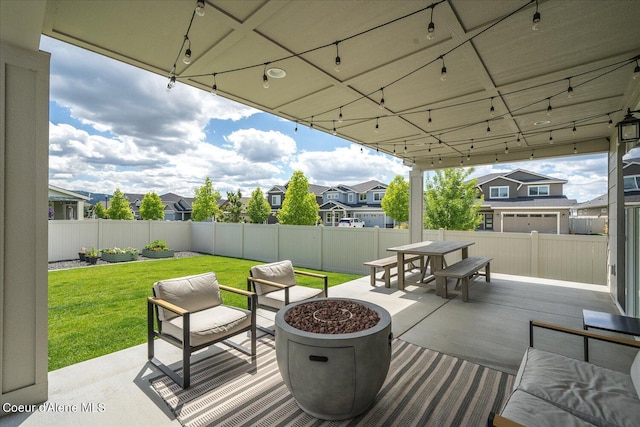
{"x": 332, "y": 317}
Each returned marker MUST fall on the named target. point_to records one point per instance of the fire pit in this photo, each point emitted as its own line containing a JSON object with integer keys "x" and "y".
{"x": 333, "y": 354}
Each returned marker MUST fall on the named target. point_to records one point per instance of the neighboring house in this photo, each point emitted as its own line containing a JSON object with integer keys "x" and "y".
{"x": 524, "y": 201}
{"x": 65, "y": 204}
{"x": 176, "y": 207}
{"x": 361, "y": 201}
{"x": 598, "y": 207}
{"x": 275, "y": 197}
{"x": 224, "y": 203}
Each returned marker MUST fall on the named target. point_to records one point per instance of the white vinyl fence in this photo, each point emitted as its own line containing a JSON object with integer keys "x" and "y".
{"x": 563, "y": 257}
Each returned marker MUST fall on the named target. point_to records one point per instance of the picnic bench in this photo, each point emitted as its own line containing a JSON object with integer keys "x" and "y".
{"x": 391, "y": 262}
{"x": 463, "y": 271}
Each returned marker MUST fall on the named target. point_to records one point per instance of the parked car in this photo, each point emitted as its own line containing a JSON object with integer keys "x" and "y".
{"x": 351, "y": 222}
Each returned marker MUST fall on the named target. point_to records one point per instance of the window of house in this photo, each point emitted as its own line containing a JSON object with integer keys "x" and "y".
{"x": 632, "y": 183}
{"x": 499, "y": 192}
{"x": 377, "y": 197}
{"x": 363, "y": 197}
{"x": 332, "y": 196}
{"x": 276, "y": 199}
{"x": 539, "y": 190}
{"x": 351, "y": 197}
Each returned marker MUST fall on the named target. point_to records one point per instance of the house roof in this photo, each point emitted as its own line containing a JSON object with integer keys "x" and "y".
{"x": 598, "y": 202}
{"x": 60, "y": 194}
{"x": 535, "y": 178}
{"x": 362, "y": 187}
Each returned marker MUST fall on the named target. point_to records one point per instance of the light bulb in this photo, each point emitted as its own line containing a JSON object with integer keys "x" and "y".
{"x": 610, "y": 122}
{"x": 338, "y": 62}
{"x": 570, "y": 92}
{"x": 531, "y": 156}
{"x": 429, "y": 122}
{"x": 214, "y": 89}
{"x": 488, "y": 128}
{"x": 187, "y": 57}
{"x": 506, "y": 149}
{"x": 172, "y": 83}
{"x": 440, "y": 160}
{"x": 549, "y": 110}
{"x": 443, "y": 73}
{"x": 536, "y": 21}
{"x": 376, "y": 129}
{"x": 430, "y": 30}
{"x": 492, "y": 111}
{"x": 550, "y": 138}
{"x": 335, "y": 132}
{"x": 296, "y": 129}
{"x": 574, "y": 130}
{"x": 340, "y": 117}
{"x": 381, "y": 105}
{"x": 200, "y": 8}
{"x": 265, "y": 81}
{"x": 575, "y": 149}
{"x": 636, "y": 72}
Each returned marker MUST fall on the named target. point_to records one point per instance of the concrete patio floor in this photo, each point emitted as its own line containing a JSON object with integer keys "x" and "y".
{"x": 491, "y": 329}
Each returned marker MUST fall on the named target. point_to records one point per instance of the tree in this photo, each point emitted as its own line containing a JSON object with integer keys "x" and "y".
{"x": 119, "y": 208}
{"x": 151, "y": 207}
{"x": 258, "y": 208}
{"x": 395, "y": 202}
{"x": 299, "y": 206}
{"x": 205, "y": 206}
{"x": 450, "y": 201}
{"x": 99, "y": 211}
{"x": 233, "y": 211}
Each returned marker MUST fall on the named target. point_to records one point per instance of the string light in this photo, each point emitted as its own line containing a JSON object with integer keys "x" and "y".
{"x": 335, "y": 132}
{"x": 361, "y": 150}
{"x": 405, "y": 147}
{"x": 518, "y": 139}
{"x": 265, "y": 79}
{"x": 574, "y": 130}
{"x": 432, "y": 162}
{"x": 506, "y": 148}
{"x": 496, "y": 158}
{"x": 311, "y": 125}
{"x": 469, "y": 155}
{"x": 200, "y": 7}
{"x": 570, "y": 90}
{"x": 377, "y": 128}
{"x": 172, "y": 79}
{"x": 431, "y": 27}
{"x": 381, "y": 105}
{"x": 488, "y": 128}
{"x": 429, "y": 122}
{"x": 575, "y": 149}
{"x": 340, "y": 116}
{"x": 492, "y": 110}
{"x": 636, "y": 71}
{"x": 214, "y": 88}
{"x": 443, "y": 71}
{"x": 549, "y": 108}
{"x": 187, "y": 52}
{"x": 394, "y": 148}
{"x": 440, "y": 159}
{"x": 531, "y": 156}
{"x": 461, "y": 162}
{"x": 610, "y": 121}
{"x": 429, "y": 148}
{"x": 338, "y": 61}
{"x": 377, "y": 149}
{"x": 296, "y": 129}
{"x": 536, "y": 19}
{"x": 471, "y": 148}
{"x": 550, "y": 138}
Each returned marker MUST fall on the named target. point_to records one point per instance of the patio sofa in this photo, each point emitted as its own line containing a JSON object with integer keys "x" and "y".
{"x": 555, "y": 390}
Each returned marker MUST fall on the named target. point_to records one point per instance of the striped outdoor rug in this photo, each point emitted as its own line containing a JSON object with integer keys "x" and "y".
{"x": 423, "y": 388}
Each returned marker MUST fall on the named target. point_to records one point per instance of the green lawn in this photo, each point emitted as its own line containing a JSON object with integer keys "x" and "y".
{"x": 98, "y": 310}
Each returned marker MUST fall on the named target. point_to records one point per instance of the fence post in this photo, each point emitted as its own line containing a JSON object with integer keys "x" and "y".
{"x": 376, "y": 241}
{"x": 535, "y": 254}
{"x": 441, "y": 234}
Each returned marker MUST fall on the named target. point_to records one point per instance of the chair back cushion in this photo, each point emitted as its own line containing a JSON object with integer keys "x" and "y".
{"x": 279, "y": 272}
{"x": 192, "y": 293}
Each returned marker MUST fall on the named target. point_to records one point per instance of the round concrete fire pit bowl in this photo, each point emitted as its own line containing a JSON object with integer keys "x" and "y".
{"x": 334, "y": 372}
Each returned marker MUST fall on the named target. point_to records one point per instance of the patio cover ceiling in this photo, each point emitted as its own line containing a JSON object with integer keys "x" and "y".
{"x": 491, "y": 54}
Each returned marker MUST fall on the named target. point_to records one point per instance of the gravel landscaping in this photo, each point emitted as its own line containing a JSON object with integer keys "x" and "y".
{"x": 76, "y": 263}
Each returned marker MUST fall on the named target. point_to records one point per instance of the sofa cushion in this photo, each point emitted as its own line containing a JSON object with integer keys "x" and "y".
{"x": 209, "y": 325}
{"x": 192, "y": 293}
{"x": 532, "y": 411}
{"x": 598, "y": 395}
{"x": 280, "y": 272}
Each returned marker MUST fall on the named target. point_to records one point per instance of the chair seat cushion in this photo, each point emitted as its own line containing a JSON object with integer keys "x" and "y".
{"x": 212, "y": 324}
{"x": 296, "y": 293}
{"x": 590, "y": 392}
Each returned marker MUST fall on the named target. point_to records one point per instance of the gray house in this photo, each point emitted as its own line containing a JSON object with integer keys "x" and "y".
{"x": 361, "y": 201}
{"x": 524, "y": 201}
{"x": 275, "y": 197}
{"x": 598, "y": 207}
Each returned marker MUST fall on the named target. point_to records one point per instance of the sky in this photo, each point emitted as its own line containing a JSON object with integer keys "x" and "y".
{"x": 114, "y": 126}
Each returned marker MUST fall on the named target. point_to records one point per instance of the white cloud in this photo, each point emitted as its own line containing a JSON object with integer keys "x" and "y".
{"x": 260, "y": 146}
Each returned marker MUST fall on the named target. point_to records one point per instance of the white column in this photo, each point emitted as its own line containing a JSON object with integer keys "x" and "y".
{"x": 416, "y": 205}
{"x": 24, "y": 150}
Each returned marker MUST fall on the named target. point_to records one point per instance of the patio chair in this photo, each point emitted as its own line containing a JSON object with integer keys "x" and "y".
{"x": 275, "y": 285}
{"x": 189, "y": 314}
